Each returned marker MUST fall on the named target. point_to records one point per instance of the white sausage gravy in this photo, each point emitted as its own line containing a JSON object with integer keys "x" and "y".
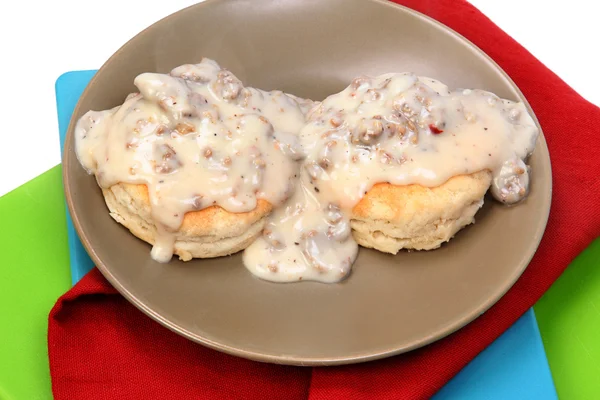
{"x": 197, "y": 138}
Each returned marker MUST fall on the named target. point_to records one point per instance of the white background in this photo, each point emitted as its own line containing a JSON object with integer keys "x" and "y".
{"x": 42, "y": 39}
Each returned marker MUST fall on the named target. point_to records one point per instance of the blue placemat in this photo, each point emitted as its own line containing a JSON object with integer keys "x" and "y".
{"x": 69, "y": 88}
{"x": 514, "y": 367}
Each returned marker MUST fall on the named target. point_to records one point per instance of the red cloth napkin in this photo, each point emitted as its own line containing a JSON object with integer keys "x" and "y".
{"x": 101, "y": 347}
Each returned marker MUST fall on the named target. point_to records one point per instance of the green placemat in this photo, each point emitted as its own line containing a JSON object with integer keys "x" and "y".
{"x": 569, "y": 319}
{"x": 33, "y": 274}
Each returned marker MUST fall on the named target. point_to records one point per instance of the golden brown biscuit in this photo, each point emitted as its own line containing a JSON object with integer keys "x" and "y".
{"x": 210, "y": 232}
{"x": 390, "y": 218}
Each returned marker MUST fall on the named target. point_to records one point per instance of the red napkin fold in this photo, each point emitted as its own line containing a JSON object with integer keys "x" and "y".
{"x": 101, "y": 347}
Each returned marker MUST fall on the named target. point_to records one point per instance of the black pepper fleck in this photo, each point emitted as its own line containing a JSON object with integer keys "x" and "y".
{"x": 317, "y": 189}
{"x": 297, "y": 244}
{"x": 485, "y": 129}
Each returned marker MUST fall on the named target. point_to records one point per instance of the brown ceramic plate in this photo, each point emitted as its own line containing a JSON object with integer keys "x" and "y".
{"x": 390, "y": 304}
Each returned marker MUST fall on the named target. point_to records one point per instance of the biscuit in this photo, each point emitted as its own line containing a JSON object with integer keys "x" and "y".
{"x": 210, "y": 232}
{"x": 390, "y": 218}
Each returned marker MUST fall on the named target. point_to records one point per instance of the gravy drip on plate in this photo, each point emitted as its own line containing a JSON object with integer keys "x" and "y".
{"x": 396, "y": 128}
{"x": 196, "y": 138}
